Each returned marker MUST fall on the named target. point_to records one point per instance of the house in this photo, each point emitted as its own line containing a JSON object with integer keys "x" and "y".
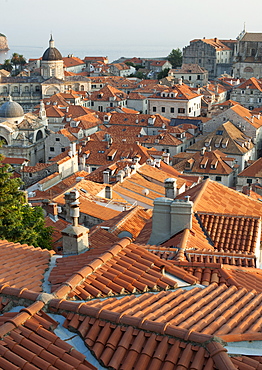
{"x": 231, "y": 141}
{"x": 178, "y": 100}
{"x": 107, "y": 97}
{"x": 121, "y": 69}
{"x": 137, "y": 102}
{"x": 192, "y": 74}
{"x": 247, "y": 121}
{"x": 211, "y": 164}
{"x": 250, "y": 175}
{"x": 73, "y": 64}
{"x": 248, "y": 93}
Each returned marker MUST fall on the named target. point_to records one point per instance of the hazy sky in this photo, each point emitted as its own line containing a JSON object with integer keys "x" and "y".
{"x": 122, "y": 28}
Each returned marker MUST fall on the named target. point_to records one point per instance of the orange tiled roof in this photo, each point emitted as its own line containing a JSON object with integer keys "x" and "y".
{"x": 231, "y": 233}
{"x": 110, "y": 273}
{"x": 28, "y": 342}
{"x": 16, "y": 259}
{"x": 210, "y": 196}
{"x": 254, "y": 170}
{"x": 215, "y": 42}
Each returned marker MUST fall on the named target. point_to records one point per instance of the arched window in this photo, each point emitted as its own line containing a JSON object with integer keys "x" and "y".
{"x": 39, "y": 135}
{"x": 3, "y": 140}
{"x": 15, "y": 89}
{"x": 26, "y": 88}
{"x": 82, "y": 87}
{"x": 5, "y": 89}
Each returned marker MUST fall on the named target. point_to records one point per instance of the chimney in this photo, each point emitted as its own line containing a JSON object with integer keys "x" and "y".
{"x": 108, "y": 192}
{"x": 106, "y": 177}
{"x": 170, "y": 188}
{"x": 166, "y": 158}
{"x": 181, "y": 215}
{"x": 203, "y": 151}
{"x": 180, "y": 81}
{"x": 161, "y": 221}
{"x": 75, "y": 237}
{"x": 120, "y": 176}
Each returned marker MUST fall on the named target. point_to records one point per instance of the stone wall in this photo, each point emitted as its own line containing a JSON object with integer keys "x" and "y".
{"x": 3, "y": 42}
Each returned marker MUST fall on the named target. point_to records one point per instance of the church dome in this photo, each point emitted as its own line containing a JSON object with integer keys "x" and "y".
{"x": 51, "y": 53}
{"x": 11, "y": 109}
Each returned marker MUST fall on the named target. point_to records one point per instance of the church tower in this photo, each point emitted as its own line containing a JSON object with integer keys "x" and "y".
{"x": 52, "y": 64}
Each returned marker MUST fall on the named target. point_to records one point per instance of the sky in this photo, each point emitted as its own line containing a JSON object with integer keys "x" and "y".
{"x": 115, "y": 28}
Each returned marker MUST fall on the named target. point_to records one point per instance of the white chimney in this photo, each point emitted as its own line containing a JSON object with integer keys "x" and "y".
{"x": 106, "y": 177}
{"x": 170, "y": 188}
{"x": 161, "y": 221}
{"x": 108, "y": 192}
{"x": 181, "y": 215}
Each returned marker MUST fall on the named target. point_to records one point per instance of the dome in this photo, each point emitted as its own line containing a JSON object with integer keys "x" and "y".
{"x": 51, "y": 53}
{"x": 11, "y": 109}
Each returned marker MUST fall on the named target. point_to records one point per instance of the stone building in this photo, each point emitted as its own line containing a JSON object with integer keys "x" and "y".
{"x": 248, "y": 55}
{"x": 22, "y": 135}
{"x": 211, "y": 54}
{"x": 29, "y": 90}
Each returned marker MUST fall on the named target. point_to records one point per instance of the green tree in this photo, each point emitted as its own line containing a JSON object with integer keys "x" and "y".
{"x": 18, "y": 221}
{"x": 7, "y": 65}
{"x": 21, "y": 61}
{"x": 15, "y": 60}
{"x": 175, "y": 58}
{"x": 163, "y": 73}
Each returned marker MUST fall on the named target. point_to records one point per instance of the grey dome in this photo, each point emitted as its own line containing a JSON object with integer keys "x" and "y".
{"x": 52, "y": 54}
{"x": 11, "y": 109}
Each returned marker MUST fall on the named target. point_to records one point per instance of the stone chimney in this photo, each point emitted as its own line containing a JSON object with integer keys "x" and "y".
{"x": 75, "y": 236}
{"x": 106, "y": 177}
{"x": 120, "y": 176}
{"x": 108, "y": 192}
{"x": 181, "y": 215}
{"x": 169, "y": 218}
{"x": 161, "y": 221}
{"x": 170, "y": 188}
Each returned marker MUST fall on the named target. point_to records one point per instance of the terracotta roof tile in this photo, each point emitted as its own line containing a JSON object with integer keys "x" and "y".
{"x": 17, "y": 258}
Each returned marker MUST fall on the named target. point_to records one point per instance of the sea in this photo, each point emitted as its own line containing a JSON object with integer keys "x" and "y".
{"x": 114, "y": 53}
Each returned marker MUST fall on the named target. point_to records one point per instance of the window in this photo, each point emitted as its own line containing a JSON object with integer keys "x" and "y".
{"x": 62, "y": 150}
{"x": 242, "y": 91}
{"x": 189, "y": 110}
{"x": 154, "y": 109}
{"x": 181, "y": 110}
{"x": 92, "y": 103}
{"x": 205, "y": 177}
{"x": 199, "y": 60}
{"x": 219, "y": 132}
{"x": 198, "y": 77}
{"x": 218, "y": 178}
{"x": 57, "y": 139}
{"x": 189, "y": 78}
{"x": 52, "y": 149}
{"x": 249, "y": 181}
{"x": 163, "y": 109}
{"x": 172, "y": 110}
